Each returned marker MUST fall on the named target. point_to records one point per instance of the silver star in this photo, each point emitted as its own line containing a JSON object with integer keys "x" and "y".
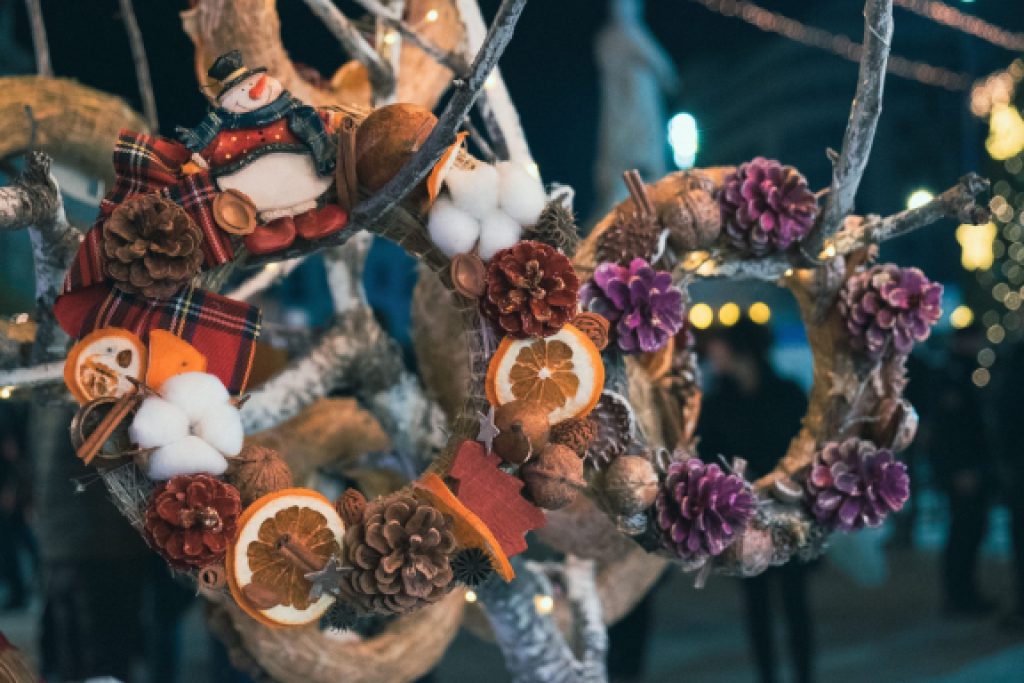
{"x": 327, "y": 579}
{"x": 488, "y": 430}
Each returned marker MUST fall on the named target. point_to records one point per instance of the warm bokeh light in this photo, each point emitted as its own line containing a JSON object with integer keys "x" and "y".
{"x": 996, "y": 334}
{"x": 544, "y": 604}
{"x": 470, "y": 596}
{"x": 976, "y": 243}
{"x": 729, "y": 314}
{"x": 5, "y": 392}
{"x": 759, "y": 312}
{"x": 1005, "y": 132}
{"x": 432, "y": 15}
{"x": 961, "y": 317}
{"x": 981, "y": 377}
{"x": 919, "y": 198}
{"x": 701, "y": 316}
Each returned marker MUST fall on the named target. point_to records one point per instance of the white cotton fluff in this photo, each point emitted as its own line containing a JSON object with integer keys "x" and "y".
{"x": 498, "y": 231}
{"x": 158, "y": 423}
{"x": 190, "y": 455}
{"x": 520, "y": 195}
{"x": 453, "y": 230}
{"x": 474, "y": 190}
{"x": 194, "y": 393}
{"x": 221, "y": 427}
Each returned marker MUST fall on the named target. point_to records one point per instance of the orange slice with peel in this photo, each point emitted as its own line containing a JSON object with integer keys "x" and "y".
{"x": 562, "y": 373}
{"x": 170, "y": 355}
{"x": 101, "y": 364}
{"x": 443, "y": 165}
{"x": 470, "y": 531}
{"x": 282, "y": 537}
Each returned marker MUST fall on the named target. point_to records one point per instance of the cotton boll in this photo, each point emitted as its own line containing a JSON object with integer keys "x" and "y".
{"x": 520, "y": 195}
{"x": 453, "y": 230}
{"x": 194, "y": 393}
{"x": 157, "y": 423}
{"x": 190, "y": 455}
{"x": 221, "y": 427}
{"x": 498, "y": 231}
{"x": 474, "y": 190}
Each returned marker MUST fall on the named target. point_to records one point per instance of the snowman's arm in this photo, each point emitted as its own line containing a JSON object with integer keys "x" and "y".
{"x": 199, "y": 161}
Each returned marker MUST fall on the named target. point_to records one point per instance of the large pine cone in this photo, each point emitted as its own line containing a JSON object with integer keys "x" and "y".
{"x": 532, "y": 290}
{"x": 633, "y": 235}
{"x": 400, "y": 556}
{"x": 152, "y": 246}
{"x": 191, "y": 518}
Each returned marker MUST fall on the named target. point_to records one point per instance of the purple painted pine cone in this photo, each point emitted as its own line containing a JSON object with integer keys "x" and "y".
{"x": 645, "y": 310}
{"x": 700, "y": 509}
{"x": 766, "y": 206}
{"x": 888, "y": 306}
{"x": 853, "y": 484}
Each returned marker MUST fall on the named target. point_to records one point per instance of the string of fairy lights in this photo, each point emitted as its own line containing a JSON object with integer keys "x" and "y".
{"x": 951, "y": 17}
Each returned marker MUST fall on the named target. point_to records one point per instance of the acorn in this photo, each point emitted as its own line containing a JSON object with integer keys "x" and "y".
{"x": 523, "y": 431}
{"x": 554, "y": 478}
{"x": 387, "y": 138}
{"x": 630, "y": 484}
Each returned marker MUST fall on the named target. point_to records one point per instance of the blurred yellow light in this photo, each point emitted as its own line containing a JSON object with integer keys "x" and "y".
{"x": 489, "y": 83}
{"x": 544, "y": 604}
{"x": 701, "y": 316}
{"x": 996, "y": 334}
{"x": 1005, "y": 132}
{"x": 432, "y": 15}
{"x": 5, "y": 392}
{"x": 919, "y": 198}
{"x": 976, "y": 245}
{"x": 470, "y": 596}
{"x": 961, "y": 317}
{"x": 729, "y": 314}
{"x": 390, "y": 37}
{"x": 759, "y": 312}
{"x": 533, "y": 169}
{"x": 980, "y": 377}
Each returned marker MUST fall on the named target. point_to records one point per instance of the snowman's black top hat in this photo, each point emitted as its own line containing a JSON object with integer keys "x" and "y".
{"x": 230, "y": 70}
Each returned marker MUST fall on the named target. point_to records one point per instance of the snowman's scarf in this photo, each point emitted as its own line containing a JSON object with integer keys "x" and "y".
{"x": 303, "y": 120}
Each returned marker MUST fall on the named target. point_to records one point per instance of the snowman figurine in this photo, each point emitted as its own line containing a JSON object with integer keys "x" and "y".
{"x": 262, "y": 142}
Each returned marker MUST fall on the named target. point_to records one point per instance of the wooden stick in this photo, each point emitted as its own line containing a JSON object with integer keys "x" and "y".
{"x": 131, "y": 26}
{"x": 44, "y": 67}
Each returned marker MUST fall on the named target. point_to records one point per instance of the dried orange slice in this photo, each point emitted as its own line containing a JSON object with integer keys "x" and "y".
{"x": 282, "y": 537}
{"x": 562, "y": 373}
{"x": 100, "y": 364}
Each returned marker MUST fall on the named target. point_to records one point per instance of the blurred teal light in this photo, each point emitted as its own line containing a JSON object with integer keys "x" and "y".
{"x": 684, "y": 138}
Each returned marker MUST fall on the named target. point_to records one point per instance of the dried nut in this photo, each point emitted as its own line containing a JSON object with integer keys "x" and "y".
{"x": 469, "y": 275}
{"x": 387, "y": 138}
{"x": 234, "y": 212}
{"x": 554, "y": 478}
{"x": 595, "y": 326}
{"x": 258, "y": 471}
{"x": 630, "y": 484}
{"x": 523, "y": 431}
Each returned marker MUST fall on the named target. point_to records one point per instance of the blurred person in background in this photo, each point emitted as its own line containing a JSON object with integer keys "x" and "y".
{"x": 1011, "y": 432}
{"x": 752, "y": 412}
{"x": 964, "y": 465}
{"x": 16, "y": 540}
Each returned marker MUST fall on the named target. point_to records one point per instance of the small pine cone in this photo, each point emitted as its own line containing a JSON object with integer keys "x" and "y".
{"x": 400, "y": 555}
{"x": 557, "y": 227}
{"x": 575, "y": 433}
{"x": 191, "y": 519}
{"x": 632, "y": 236}
{"x": 613, "y": 430}
{"x": 152, "y": 246}
{"x": 532, "y": 290}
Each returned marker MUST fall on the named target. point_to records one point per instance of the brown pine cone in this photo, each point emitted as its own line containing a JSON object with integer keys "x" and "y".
{"x": 531, "y": 290}
{"x": 400, "y": 556}
{"x": 152, "y": 246}
{"x": 557, "y": 227}
{"x": 613, "y": 430}
{"x": 633, "y": 235}
{"x": 191, "y": 518}
{"x": 575, "y": 433}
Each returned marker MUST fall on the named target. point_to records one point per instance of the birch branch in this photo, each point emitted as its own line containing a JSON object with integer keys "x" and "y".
{"x": 41, "y": 47}
{"x": 454, "y": 61}
{"x": 382, "y": 76}
{"x": 267, "y": 276}
{"x": 34, "y": 375}
{"x": 138, "y": 47}
{"x": 860, "y": 130}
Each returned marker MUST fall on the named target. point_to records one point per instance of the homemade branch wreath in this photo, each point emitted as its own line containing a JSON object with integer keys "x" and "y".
{"x": 582, "y": 378}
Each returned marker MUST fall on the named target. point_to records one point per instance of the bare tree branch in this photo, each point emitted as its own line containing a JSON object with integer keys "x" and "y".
{"x": 44, "y": 67}
{"x": 21, "y": 378}
{"x": 860, "y": 130}
{"x": 454, "y": 61}
{"x": 131, "y": 26}
{"x": 266, "y": 277}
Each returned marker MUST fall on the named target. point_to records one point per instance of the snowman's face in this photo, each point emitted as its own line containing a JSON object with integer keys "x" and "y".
{"x": 253, "y": 92}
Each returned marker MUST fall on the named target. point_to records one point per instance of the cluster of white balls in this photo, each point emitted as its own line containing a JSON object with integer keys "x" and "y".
{"x": 486, "y": 207}
{"x": 191, "y": 425}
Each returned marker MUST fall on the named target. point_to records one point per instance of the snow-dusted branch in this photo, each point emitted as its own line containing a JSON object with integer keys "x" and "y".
{"x": 848, "y": 169}
{"x": 267, "y": 276}
{"x": 381, "y": 75}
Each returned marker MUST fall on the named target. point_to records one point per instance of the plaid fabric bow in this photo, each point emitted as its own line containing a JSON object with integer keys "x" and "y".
{"x": 222, "y": 329}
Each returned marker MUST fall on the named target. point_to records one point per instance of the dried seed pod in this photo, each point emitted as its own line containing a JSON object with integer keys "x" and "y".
{"x": 523, "y": 431}
{"x": 469, "y": 275}
{"x": 576, "y": 433}
{"x": 595, "y": 326}
{"x": 554, "y": 478}
{"x": 350, "y": 507}
{"x": 630, "y": 484}
{"x": 257, "y": 471}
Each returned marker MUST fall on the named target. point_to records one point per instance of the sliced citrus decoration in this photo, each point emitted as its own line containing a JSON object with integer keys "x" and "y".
{"x": 170, "y": 355}
{"x": 443, "y": 165}
{"x": 100, "y": 364}
{"x": 562, "y": 373}
{"x": 282, "y": 537}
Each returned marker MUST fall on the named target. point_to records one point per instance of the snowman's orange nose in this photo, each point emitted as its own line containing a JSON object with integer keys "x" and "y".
{"x": 256, "y": 91}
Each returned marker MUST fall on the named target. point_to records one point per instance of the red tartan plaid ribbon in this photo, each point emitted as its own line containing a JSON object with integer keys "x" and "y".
{"x": 222, "y": 329}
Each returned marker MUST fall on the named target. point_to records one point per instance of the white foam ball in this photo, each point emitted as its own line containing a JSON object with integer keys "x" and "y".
{"x": 474, "y": 190}
{"x": 453, "y": 230}
{"x": 221, "y": 427}
{"x": 194, "y": 393}
{"x": 157, "y": 423}
{"x": 498, "y": 231}
{"x": 520, "y": 195}
{"x": 190, "y": 455}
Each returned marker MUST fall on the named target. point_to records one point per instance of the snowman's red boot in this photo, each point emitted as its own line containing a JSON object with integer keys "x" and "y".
{"x": 319, "y": 223}
{"x": 276, "y": 235}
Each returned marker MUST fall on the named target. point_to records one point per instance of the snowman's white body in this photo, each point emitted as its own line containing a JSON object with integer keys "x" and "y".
{"x": 278, "y": 183}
